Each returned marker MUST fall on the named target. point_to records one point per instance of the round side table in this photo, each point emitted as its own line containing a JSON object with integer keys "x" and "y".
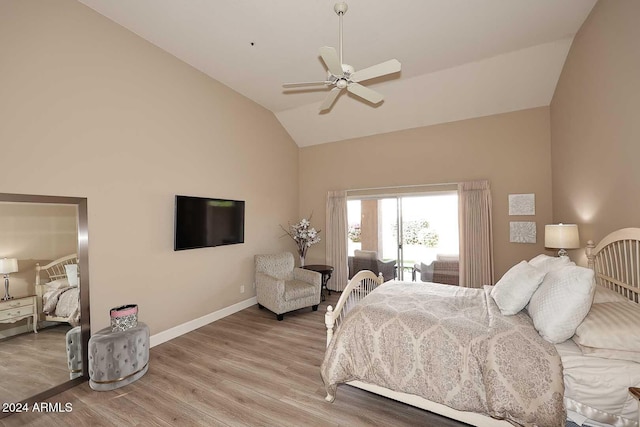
{"x": 326, "y": 271}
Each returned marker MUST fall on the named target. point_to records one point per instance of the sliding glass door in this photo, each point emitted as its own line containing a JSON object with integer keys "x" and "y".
{"x": 409, "y": 229}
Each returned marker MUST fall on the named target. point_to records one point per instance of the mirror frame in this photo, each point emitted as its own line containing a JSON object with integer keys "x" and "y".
{"x": 83, "y": 259}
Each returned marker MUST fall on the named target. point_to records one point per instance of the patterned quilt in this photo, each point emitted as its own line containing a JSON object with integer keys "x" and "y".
{"x": 63, "y": 302}
{"x": 449, "y": 345}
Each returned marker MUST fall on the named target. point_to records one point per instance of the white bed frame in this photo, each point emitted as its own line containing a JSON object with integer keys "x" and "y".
{"x": 54, "y": 270}
{"x": 615, "y": 260}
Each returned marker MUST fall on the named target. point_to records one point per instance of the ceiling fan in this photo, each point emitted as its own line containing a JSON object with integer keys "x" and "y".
{"x": 341, "y": 75}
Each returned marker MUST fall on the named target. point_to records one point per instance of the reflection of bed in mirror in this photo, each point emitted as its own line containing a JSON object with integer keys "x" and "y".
{"x": 58, "y": 291}
{"x": 38, "y": 229}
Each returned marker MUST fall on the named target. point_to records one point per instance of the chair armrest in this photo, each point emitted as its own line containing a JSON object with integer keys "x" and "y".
{"x": 414, "y": 270}
{"x": 307, "y": 276}
{"x": 388, "y": 269}
{"x": 426, "y": 272}
{"x": 270, "y": 284}
{"x": 387, "y": 264}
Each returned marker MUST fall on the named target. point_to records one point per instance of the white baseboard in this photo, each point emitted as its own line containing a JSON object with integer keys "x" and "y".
{"x": 194, "y": 324}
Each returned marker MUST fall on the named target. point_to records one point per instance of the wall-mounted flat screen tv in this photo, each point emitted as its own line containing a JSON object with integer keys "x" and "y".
{"x": 203, "y": 222}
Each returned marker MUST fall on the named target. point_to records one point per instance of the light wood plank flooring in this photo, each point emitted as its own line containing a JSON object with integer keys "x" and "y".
{"x": 30, "y": 363}
{"x": 244, "y": 370}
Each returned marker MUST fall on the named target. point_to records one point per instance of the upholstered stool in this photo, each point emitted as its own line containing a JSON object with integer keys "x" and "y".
{"x": 118, "y": 358}
{"x": 74, "y": 352}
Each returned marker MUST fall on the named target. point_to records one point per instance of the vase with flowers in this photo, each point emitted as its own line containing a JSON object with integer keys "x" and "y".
{"x": 304, "y": 235}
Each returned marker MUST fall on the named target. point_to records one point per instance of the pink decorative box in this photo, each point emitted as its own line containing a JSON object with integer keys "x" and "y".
{"x": 124, "y": 317}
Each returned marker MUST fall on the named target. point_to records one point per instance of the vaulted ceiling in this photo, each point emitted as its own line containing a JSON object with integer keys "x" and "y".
{"x": 460, "y": 58}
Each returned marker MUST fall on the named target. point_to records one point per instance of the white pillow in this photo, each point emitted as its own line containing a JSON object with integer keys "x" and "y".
{"x": 610, "y": 330}
{"x": 72, "y": 274}
{"x": 513, "y": 291}
{"x": 561, "y": 302}
{"x": 548, "y": 263}
{"x": 607, "y": 295}
{"x": 57, "y": 284}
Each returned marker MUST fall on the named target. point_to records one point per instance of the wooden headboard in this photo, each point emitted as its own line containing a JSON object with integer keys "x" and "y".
{"x": 616, "y": 262}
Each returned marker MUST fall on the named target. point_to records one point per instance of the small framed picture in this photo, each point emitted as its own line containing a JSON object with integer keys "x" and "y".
{"x": 522, "y": 232}
{"x": 522, "y": 204}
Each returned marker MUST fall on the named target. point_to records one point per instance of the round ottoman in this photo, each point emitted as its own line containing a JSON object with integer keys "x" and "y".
{"x": 118, "y": 358}
{"x": 74, "y": 352}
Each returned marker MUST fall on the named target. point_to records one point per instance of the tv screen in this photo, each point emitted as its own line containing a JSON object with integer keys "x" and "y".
{"x": 203, "y": 222}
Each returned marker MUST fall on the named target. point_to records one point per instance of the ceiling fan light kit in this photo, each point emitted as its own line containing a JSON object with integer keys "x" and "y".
{"x": 343, "y": 76}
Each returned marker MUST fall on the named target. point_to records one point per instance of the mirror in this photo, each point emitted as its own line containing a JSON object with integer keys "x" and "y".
{"x": 38, "y": 236}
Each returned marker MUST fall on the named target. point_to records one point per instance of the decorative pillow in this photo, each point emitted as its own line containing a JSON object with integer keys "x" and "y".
{"x": 561, "y": 302}
{"x": 446, "y": 257}
{"x": 72, "y": 274}
{"x": 57, "y": 284}
{"x": 548, "y": 263}
{"x": 513, "y": 291}
{"x": 607, "y": 295}
{"x": 611, "y": 330}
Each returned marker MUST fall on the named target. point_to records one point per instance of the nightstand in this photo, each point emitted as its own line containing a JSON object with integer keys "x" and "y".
{"x": 20, "y": 308}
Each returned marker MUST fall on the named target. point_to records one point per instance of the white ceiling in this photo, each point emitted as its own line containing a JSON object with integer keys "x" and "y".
{"x": 460, "y": 58}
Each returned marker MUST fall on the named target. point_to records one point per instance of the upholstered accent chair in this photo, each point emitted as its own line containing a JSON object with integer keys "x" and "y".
{"x": 281, "y": 287}
{"x": 368, "y": 260}
{"x": 445, "y": 269}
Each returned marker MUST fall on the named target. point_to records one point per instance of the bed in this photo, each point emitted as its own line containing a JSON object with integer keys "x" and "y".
{"x": 58, "y": 291}
{"x": 585, "y": 376}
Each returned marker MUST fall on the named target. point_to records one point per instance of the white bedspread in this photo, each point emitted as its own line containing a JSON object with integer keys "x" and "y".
{"x": 597, "y": 387}
{"x": 452, "y": 346}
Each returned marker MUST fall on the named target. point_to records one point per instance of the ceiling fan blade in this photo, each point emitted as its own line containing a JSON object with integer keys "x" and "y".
{"x": 382, "y": 69}
{"x": 365, "y": 93}
{"x": 330, "y": 99}
{"x": 331, "y": 60}
{"x": 306, "y": 84}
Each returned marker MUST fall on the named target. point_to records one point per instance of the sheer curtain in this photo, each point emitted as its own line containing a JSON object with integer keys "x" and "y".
{"x": 336, "y": 235}
{"x": 476, "y": 234}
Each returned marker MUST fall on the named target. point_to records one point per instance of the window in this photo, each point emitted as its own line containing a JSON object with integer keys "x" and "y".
{"x": 410, "y": 228}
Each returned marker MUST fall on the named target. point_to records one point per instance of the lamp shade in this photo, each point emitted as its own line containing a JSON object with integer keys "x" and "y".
{"x": 8, "y": 265}
{"x": 561, "y": 236}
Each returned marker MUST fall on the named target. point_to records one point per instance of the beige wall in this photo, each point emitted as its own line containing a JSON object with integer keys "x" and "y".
{"x": 511, "y": 150}
{"x": 91, "y": 110}
{"x": 595, "y": 131}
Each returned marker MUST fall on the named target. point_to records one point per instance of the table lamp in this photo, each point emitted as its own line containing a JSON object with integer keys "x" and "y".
{"x": 561, "y": 236}
{"x": 7, "y": 265}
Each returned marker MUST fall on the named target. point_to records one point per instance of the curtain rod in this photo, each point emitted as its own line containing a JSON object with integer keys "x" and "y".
{"x": 403, "y": 186}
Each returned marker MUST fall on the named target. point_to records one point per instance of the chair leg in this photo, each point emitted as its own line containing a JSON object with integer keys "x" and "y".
{"x": 280, "y": 316}
{"x": 315, "y": 307}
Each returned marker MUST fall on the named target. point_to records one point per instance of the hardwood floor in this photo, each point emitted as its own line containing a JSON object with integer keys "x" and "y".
{"x": 244, "y": 370}
{"x": 32, "y": 362}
